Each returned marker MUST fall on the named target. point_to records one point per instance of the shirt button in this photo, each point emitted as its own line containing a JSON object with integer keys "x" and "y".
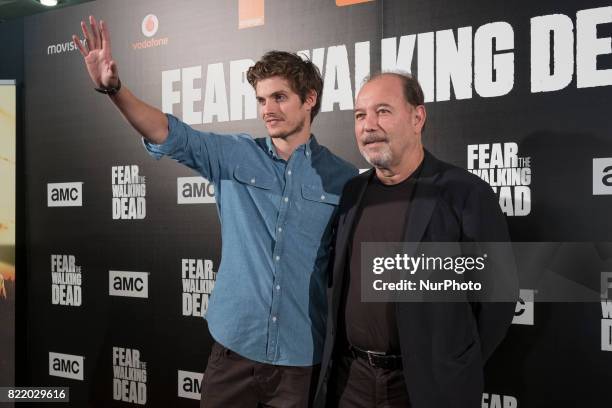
{"x": 286, "y": 199}
{"x": 252, "y": 181}
{"x": 274, "y": 318}
{"x": 277, "y": 258}
{"x": 289, "y": 173}
{"x": 323, "y": 197}
{"x": 277, "y": 287}
{"x": 280, "y": 229}
{"x": 307, "y": 153}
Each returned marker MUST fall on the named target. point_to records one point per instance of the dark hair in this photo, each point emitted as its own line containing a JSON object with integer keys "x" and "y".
{"x": 412, "y": 89}
{"x": 302, "y": 75}
{"x": 413, "y": 93}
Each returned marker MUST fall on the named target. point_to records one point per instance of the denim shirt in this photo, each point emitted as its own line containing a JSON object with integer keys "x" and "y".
{"x": 269, "y": 302}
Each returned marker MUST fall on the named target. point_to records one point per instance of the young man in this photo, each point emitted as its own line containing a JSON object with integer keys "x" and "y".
{"x": 409, "y": 354}
{"x": 277, "y": 197}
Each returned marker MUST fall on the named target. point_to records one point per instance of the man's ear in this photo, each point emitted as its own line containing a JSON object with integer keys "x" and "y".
{"x": 311, "y": 99}
{"x": 420, "y": 115}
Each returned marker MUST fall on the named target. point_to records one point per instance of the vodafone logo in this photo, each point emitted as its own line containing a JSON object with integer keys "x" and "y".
{"x": 149, "y": 25}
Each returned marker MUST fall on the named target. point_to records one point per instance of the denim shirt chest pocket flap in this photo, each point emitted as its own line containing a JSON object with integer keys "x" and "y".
{"x": 318, "y": 208}
{"x": 252, "y": 176}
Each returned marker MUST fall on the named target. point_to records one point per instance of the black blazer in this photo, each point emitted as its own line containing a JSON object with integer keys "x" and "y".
{"x": 444, "y": 345}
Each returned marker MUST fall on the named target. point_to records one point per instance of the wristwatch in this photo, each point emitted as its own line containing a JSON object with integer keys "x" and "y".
{"x": 111, "y": 90}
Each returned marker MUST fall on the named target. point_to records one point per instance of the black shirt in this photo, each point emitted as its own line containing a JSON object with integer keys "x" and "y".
{"x": 382, "y": 218}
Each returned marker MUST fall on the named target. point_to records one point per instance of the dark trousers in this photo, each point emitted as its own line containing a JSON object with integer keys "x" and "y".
{"x": 354, "y": 383}
{"x": 231, "y": 380}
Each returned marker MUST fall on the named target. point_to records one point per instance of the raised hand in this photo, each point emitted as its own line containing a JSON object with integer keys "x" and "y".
{"x": 149, "y": 121}
{"x": 97, "y": 54}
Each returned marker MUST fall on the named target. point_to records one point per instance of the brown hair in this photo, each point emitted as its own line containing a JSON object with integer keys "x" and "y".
{"x": 302, "y": 75}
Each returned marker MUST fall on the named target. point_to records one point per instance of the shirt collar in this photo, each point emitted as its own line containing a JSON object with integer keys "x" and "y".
{"x": 310, "y": 147}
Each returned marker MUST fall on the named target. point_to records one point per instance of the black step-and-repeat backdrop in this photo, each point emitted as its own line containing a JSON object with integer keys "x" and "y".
{"x": 123, "y": 249}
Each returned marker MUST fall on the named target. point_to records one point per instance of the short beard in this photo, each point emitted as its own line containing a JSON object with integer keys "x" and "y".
{"x": 382, "y": 158}
{"x": 379, "y": 160}
{"x": 297, "y": 129}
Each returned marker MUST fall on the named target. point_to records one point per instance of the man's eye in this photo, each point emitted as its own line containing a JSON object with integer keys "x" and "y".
{"x": 280, "y": 97}
{"x": 261, "y": 101}
{"x": 359, "y": 116}
{"x": 383, "y": 111}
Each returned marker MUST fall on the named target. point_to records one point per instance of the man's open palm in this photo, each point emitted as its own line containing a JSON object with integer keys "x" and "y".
{"x": 97, "y": 53}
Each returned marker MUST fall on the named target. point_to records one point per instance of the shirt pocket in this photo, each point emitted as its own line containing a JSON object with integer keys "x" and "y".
{"x": 253, "y": 177}
{"x": 317, "y": 212}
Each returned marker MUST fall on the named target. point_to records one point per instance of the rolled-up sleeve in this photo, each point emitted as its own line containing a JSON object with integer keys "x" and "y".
{"x": 203, "y": 152}
{"x": 169, "y": 145}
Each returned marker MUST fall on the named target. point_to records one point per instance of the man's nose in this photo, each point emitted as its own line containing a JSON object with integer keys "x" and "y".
{"x": 268, "y": 107}
{"x": 370, "y": 123}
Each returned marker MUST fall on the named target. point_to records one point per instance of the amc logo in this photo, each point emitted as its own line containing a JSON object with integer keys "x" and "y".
{"x": 65, "y": 194}
{"x": 66, "y": 366}
{"x": 128, "y": 284}
{"x": 194, "y": 190}
{"x": 189, "y": 384}
{"x": 602, "y": 176}
{"x": 523, "y": 313}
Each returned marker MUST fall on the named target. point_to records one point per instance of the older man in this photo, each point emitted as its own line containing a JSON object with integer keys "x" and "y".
{"x": 422, "y": 355}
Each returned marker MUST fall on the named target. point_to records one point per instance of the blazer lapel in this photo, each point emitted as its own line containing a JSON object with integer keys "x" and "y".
{"x": 346, "y": 225}
{"x": 423, "y": 202}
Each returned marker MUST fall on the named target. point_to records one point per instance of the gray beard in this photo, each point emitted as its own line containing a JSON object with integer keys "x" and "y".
{"x": 378, "y": 160}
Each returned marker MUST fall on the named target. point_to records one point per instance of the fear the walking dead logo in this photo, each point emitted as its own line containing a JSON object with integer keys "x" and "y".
{"x": 65, "y": 281}
{"x": 198, "y": 280}
{"x": 498, "y": 401}
{"x": 606, "y": 325}
{"x": 129, "y": 376}
{"x": 508, "y": 174}
{"x": 461, "y": 63}
{"x": 129, "y": 192}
